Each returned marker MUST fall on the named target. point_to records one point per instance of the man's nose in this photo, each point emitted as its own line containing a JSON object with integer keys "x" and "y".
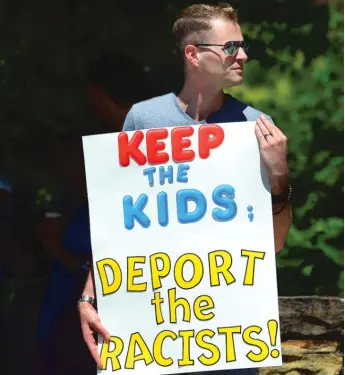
{"x": 241, "y": 55}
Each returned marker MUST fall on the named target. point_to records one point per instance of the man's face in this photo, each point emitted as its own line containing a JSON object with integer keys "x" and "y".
{"x": 215, "y": 65}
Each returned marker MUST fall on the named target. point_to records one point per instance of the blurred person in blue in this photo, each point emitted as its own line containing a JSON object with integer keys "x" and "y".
{"x": 64, "y": 231}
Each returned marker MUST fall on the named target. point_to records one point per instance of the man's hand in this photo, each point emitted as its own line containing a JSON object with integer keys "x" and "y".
{"x": 90, "y": 324}
{"x": 273, "y": 150}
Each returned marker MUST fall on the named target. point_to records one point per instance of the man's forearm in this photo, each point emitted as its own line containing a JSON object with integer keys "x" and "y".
{"x": 281, "y": 224}
{"x": 89, "y": 288}
{"x": 282, "y": 213}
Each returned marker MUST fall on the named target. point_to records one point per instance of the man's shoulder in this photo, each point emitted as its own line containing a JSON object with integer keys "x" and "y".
{"x": 249, "y": 112}
{"x": 152, "y": 103}
{"x": 151, "y": 113}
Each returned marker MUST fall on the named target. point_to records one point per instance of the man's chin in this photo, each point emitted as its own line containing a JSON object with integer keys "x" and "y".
{"x": 234, "y": 82}
{"x": 238, "y": 80}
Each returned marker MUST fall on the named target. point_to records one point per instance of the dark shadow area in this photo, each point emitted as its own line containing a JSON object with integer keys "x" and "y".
{"x": 69, "y": 68}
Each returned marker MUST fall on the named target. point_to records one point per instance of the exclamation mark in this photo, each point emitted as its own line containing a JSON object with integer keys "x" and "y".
{"x": 273, "y": 331}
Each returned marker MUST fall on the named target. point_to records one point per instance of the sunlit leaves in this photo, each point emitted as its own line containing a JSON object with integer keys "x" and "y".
{"x": 306, "y": 100}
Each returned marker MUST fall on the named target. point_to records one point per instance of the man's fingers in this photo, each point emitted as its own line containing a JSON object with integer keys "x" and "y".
{"x": 98, "y": 327}
{"x": 268, "y": 128}
{"x": 264, "y": 138}
{"x": 92, "y": 346}
{"x": 271, "y": 127}
{"x": 281, "y": 135}
{"x": 277, "y": 133}
{"x": 259, "y": 134}
{"x": 91, "y": 324}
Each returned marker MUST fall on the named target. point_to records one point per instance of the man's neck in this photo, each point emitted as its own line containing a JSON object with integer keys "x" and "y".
{"x": 199, "y": 102}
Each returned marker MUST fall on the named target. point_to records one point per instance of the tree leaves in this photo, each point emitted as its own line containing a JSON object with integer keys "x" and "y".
{"x": 306, "y": 100}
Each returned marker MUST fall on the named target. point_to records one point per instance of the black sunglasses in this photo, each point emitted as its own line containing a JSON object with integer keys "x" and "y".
{"x": 231, "y": 47}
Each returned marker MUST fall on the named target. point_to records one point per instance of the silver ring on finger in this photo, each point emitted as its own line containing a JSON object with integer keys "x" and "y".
{"x": 268, "y": 134}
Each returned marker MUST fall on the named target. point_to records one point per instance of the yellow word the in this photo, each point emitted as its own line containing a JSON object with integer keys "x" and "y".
{"x": 200, "y": 305}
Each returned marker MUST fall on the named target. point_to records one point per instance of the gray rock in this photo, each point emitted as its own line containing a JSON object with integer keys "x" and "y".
{"x": 311, "y": 316}
{"x": 312, "y": 330}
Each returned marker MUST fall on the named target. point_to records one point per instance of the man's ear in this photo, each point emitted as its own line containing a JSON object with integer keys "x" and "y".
{"x": 192, "y": 55}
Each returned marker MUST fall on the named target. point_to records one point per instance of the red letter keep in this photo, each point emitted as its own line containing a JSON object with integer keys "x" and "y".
{"x": 210, "y": 136}
{"x": 179, "y": 144}
{"x": 130, "y": 149}
{"x": 153, "y": 146}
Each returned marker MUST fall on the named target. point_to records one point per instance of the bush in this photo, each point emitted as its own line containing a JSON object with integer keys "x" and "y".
{"x": 305, "y": 99}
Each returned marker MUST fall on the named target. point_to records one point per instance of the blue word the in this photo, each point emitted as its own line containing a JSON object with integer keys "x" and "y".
{"x": 223, "y": 197}
{"x": 167, "y": 174}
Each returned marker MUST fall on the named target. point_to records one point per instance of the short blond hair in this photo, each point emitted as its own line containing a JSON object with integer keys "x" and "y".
{"x": 193, "y": 22}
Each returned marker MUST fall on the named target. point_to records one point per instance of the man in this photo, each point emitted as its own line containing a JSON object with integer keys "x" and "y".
{"x": 210, "y": 41}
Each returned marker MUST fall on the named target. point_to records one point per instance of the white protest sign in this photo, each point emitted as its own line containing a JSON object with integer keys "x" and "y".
{"x": 183, "y": 249}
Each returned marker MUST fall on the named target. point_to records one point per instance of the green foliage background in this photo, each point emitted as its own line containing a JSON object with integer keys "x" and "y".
{"x": 305, "y": 98}
{"x": 295, "y": 74}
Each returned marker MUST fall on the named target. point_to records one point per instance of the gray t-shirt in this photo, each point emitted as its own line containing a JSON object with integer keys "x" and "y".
{"x": 164, "y": 111}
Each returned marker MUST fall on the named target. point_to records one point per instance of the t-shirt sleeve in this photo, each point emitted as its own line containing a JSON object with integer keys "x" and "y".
{"x": 253, "y": 114}
{"x": 129, "y": 122}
